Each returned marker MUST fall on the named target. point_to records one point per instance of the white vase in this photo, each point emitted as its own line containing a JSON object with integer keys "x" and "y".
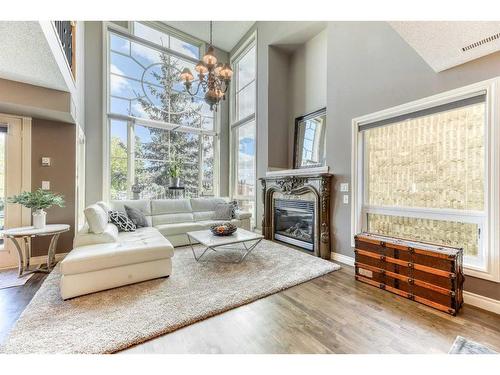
{"x": 39, "y": 219}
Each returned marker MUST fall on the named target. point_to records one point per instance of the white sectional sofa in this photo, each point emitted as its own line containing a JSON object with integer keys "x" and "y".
{"x": 111, "y": 259}
{"x": 174, "y": 217}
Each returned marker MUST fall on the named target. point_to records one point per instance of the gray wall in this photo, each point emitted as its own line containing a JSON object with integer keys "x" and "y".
{"x": 307, "y": 82}
{"x": 278, "y": 115}
{"x": 94, "y": 126}
{"x": 370, "y": 68}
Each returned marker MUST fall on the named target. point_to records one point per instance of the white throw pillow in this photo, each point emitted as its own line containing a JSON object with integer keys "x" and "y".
{"x": 96, "y": 218}
{"x": 105, "y": 207}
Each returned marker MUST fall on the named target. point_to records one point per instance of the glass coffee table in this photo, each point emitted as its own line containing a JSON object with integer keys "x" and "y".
{"x": 248, "y": 239}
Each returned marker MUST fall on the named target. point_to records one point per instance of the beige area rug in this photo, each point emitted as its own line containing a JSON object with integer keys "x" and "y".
{"x": 112, "y": 320}
{"x": 9, "y": 278}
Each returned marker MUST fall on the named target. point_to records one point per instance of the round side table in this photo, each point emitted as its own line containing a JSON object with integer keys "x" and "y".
{"x": 23, "y": 235}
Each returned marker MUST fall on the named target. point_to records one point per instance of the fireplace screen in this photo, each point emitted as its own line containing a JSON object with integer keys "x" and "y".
{"x": 294, "y": 222}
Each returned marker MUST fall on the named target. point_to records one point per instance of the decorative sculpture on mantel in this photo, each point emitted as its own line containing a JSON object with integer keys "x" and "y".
{"x": 290, "y": 183}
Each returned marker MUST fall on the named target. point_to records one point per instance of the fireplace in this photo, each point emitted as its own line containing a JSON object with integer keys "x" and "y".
{"x": 297, "y": 208}
{"x": 294, "y": 222}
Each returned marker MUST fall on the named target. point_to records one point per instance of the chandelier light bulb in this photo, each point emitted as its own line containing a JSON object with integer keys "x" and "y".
{"x": 226, "y": 72}
{"x": 201, "y": 68}
{"x": 218, "y": 68}
{"x": 186, "y": 75}
{"x": 209, "y": 59}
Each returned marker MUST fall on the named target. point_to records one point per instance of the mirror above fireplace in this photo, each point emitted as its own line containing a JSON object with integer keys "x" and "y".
{"x": 309, "y": 143}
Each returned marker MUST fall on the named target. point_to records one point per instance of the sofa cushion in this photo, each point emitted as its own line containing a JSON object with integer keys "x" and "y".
{"x": 205, "y": 204}
{"x": 204, "y": 208}
{"x": 84, "y": 237}
{"x": 223, "y": 211}
{"x": 144, "y": 245}
{"x": 137, "y": 217}
{"x": 179, "y": 228}
{"x": 170, "y": 211}
{"x": 143, "y": 205}
{"x": 97, "y": 219}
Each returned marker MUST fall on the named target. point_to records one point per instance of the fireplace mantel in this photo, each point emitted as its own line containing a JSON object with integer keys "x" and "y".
{"x": 298, "y": 182}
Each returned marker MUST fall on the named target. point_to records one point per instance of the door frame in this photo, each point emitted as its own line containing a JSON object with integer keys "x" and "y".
{"x": 25, "y": 165}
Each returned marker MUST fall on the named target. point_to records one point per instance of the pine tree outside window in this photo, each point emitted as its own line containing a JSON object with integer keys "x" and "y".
{"x": 152, "y": 120}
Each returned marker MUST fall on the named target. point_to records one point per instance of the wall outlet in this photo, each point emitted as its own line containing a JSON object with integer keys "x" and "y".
{"x": 344, "y": 187}
{"x": 45, "y": 161}
{"x": 45, "y": 185}
{"x": 346, "y": 199}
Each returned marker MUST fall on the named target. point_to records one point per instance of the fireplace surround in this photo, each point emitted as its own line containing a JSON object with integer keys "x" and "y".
{"x": 297, "y": 209}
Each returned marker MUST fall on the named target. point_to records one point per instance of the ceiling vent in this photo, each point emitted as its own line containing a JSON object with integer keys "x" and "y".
{"x": 481, "y": 42}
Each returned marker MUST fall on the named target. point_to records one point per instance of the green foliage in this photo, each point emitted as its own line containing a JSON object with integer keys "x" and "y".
{"x": 170, "y": 153}
{"x": 38, "y": 199}
{"x": 175, "y": 167}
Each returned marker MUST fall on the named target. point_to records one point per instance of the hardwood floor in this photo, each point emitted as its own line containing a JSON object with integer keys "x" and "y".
{"x": 14, "y": 300}
{"x": 331, "y": 314}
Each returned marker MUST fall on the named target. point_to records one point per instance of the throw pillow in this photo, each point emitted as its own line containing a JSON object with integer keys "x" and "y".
{"x": 223, "y": 211}
{"x": 236, "y": 209}
{"x": 96, "y": 218}
{"x": 137, "y": 217}
{"x": 105, "y": 207}
{"x": 122, "y": 222}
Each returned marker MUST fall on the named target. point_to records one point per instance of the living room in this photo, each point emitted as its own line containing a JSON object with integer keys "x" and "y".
{"x": 288, "y": 185}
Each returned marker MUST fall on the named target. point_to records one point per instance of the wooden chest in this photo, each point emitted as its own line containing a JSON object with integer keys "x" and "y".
{"x": 426, "y": 273}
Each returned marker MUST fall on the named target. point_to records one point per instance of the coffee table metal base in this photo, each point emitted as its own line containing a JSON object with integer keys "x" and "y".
{"x": 248, "y": 249}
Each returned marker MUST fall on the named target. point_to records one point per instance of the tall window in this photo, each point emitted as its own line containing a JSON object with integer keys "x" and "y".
{"x": 423, "y": 175}
{"x": 153, "y": 122}
{"x": 243, "y": 127}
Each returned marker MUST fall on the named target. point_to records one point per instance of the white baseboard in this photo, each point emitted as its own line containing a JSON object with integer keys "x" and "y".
{"x": 344, "y": 259}
{"x": 36, "y": 261}
{"x": 482, "y": 302}
{"x": 472, "y": 299}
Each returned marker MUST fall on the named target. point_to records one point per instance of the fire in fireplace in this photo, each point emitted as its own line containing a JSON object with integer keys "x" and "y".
{"x": 294, "y": 222}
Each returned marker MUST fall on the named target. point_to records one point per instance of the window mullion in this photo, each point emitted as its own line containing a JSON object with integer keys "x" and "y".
{"x": 130, "y": 157}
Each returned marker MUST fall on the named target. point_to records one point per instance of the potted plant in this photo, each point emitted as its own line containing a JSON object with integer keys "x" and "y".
{"x": 174, "y": 171}
{"x": 38, "y": 200}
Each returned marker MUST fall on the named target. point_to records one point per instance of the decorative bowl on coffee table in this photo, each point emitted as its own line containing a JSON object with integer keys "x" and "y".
{"x": 223, "y": 229}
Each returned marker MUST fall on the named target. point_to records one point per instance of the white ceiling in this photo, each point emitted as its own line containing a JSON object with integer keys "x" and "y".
{"x": 226, "y": 34}
{"x": 440, "y": 43}
{"x": 26, "y": 56}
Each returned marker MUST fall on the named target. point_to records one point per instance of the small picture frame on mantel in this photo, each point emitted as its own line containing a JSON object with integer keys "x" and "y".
{"x": 309, "y": 140}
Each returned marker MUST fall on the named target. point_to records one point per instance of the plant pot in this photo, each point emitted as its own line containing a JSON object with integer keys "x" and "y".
{"x": 175, "y": 182}
{"x": 39, "y": 219}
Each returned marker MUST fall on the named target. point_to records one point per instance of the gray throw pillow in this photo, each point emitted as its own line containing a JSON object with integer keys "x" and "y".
{"x": 137, "y": 217}
{"x": 223, "y": 211}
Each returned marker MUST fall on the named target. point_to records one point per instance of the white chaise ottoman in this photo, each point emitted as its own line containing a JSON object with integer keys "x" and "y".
{"x": 133, "y": 257}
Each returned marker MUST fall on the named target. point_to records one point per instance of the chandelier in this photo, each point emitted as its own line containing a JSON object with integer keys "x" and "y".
{"x": 213, "y": 77}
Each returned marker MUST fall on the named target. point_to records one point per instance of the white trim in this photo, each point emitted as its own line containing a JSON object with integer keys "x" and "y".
{"x": 341, "y": 258}
{"x": 250, "y": 42}
{"x": 26, "y": 166}
{"x": 485, "y": 303}
{"x": 491, "y": 236}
